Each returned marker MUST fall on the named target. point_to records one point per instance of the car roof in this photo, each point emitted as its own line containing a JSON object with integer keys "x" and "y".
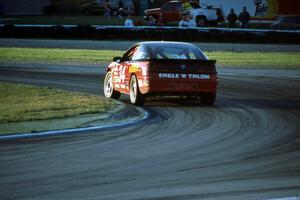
{"x": 149, "y": 43}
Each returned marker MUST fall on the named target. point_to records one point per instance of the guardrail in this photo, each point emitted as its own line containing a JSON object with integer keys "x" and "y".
{"x": 150, "y": 33}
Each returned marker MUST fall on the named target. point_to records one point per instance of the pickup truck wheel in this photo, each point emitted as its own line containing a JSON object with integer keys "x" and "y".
{"x": 201, "y": 21}
{"x": 109, "y": 91}
{"x": 208, "y": 99}
{"x": 136, "y": 97}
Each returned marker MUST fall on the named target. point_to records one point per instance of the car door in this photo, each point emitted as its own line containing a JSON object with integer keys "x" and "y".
{"x": 122, "y": 70}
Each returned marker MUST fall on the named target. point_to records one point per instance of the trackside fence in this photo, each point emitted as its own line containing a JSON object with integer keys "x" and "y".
{"x": 150, "y": 33}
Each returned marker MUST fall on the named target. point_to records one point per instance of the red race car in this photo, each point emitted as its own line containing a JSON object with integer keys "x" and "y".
{"x": 162, "y": 68}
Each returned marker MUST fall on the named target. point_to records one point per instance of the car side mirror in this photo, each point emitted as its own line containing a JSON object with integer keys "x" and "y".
{"x": 117, "y": 59}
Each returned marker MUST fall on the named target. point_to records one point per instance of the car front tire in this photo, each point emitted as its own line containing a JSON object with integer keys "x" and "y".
{"x": 108, "y": 89}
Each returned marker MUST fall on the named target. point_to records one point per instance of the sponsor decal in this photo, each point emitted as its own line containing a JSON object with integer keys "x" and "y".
{"x": 168, "y": 75}
{"x": 184, "y": 76}
{"x": 140, "y": 82}
{"x": 116, "y": 79}
{"x": 198, "y": 76}
{"x": 144, "y": 83}
{"x": 261, "y": 7}
{"x": 134, "y": 68}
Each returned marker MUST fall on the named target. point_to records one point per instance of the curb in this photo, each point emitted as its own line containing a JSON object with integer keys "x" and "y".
{"x": 121, "y": 123}
{"x": 287, "y": 198}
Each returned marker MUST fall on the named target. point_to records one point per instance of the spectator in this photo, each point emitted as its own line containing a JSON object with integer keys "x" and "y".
{"x": 244, "y": 18}
{"x": 121, "y": 5}
{"x": 220, "y": 18}
{"x": 186, "y": 8}
{"x": 121, "y": 9}
{"x": 138, "y": 22}
{"x": 160, "y": 21}
{"x": 191, "y": 21}
{"x": 152, "y": 21}
{"x": 184, "y": 22}
{"x": 232, "y": 18}
{"x": 107, "y": 10}
{"x": 129, "y": 22}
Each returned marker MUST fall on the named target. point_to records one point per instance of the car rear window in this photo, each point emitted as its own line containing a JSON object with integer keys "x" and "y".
{"x": 176, "y": 51}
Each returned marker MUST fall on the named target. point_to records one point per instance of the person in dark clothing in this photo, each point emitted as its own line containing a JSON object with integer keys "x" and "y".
{"x": 220, "y": 17}
{"x": 121, "y": 9}
{"x": 244, "y": 18}
{"x": 107, "y": 10}
{"x": 120, "y": 4}
{"x": 232, "y": 18}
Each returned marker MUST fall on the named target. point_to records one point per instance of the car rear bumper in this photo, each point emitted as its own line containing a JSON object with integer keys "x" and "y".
{"x": 179, "y": 86}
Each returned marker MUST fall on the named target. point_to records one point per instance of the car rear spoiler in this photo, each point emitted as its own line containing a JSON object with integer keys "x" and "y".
{"x": 200, "y": 61}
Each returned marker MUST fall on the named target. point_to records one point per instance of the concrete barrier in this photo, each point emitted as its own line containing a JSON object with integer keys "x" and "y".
{"x": 150, "y": 33}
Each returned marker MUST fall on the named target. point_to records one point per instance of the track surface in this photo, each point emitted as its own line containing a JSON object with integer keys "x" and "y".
{"x": 245, "y": 147}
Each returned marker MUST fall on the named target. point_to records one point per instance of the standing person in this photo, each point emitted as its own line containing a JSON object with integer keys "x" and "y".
{"x": 184, "y": 22}
{"x": 244, "y": 17}
{"x": 160, "y": 20}
{"x": 186, "y": 8}
{"x": 121, "y": 8}
{"x": 220, "y": 17}
{"x": 129, "y": 22}
{"x": 152, "y": 21}
{"x": 232, "y": 18}
{"x": 107, "y": 9}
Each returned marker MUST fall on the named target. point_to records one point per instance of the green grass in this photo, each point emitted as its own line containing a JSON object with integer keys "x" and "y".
{"x": 56, "y": 55}
{"x": 285, "y": 60}
{"x": 26, "y": 103}
{"x": 257, "y": 59}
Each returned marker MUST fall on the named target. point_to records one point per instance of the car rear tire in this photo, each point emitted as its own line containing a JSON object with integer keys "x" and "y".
{"x": 109, "y": 91}
{"x": 136, "y": 97}
{"x": 208, "y": 99}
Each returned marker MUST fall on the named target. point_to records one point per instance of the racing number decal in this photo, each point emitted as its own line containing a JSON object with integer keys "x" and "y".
{"x": 122, "y": 75}
{"x": 122, "y": 70}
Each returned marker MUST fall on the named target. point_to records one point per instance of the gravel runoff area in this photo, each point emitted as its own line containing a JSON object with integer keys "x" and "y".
{"x": 122, "y": 45}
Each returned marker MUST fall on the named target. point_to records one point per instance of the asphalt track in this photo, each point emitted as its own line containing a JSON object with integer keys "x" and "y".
{"x": 245, "y": 147}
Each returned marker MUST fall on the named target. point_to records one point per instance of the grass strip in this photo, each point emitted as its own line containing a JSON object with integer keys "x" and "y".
{"x": 283, "y": 60}
{"x": 27, "y": 103}
{"x": 56, "y": 55}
